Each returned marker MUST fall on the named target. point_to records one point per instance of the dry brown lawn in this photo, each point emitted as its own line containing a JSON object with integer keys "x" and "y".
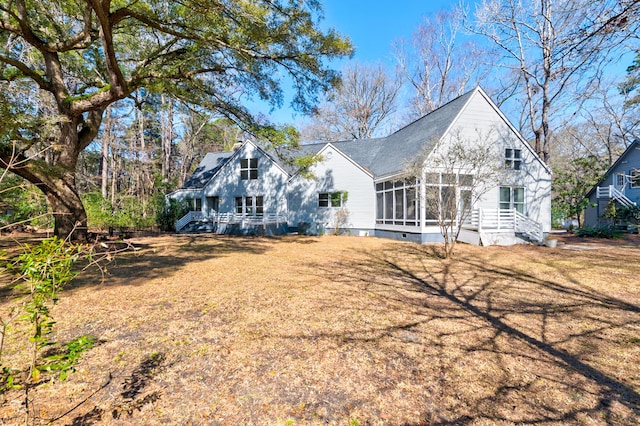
{"x": 214, "y": 330}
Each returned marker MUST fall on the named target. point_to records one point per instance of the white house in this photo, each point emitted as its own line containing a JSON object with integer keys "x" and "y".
{"x": 363, "y": 186}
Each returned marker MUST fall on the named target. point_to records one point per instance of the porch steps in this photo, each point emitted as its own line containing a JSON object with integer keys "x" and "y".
{"x": 489, "y": 227}
{"x": 612, "y": 192}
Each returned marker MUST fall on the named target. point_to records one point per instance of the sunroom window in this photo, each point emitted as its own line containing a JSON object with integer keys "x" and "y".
{"x": 397, "y": 203}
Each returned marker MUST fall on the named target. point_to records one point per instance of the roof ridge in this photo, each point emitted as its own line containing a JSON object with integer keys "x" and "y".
{"x": 437, "y": 109}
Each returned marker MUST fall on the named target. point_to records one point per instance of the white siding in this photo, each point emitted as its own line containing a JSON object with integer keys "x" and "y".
{"x": 335, "y": 173}
{"x": 479, "y": 123}
{"x": 271, "y": 182}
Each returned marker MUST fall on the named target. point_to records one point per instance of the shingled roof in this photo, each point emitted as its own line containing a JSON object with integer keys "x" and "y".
{"x": 388, "y": 155}
{"x": 209, "y": 166}
{"x": 380, "y": 156}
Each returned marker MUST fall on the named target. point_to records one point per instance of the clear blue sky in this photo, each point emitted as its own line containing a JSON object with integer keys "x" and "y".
{"x": 372, "y": 26}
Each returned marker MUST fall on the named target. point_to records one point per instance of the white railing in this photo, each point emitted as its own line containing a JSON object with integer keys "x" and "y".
{"x": 226, "y": 218}
{"x": 503, "y": 220}
{"x": 490, "y": 219}
{"x": 188, "y": 218}
{"x": 266, "y": 218}
{"x": 612, "y": 192}
{"x": 528, "y": 227}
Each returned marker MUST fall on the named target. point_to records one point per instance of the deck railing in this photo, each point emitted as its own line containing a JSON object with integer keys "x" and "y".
{"x": 504, "y": 220}
{"x": 490, "y": 219}
{"x": 267, "y": 218}
{"x": 188, "y": 218}
{"x": 528, "y": 227}
{"x": 612, "y": 192}
{"x": 227, "y": 218}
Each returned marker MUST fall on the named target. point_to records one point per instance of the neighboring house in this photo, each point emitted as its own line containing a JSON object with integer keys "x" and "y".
{"x": 361, "y": 186}
{"x": 620, "y": 184}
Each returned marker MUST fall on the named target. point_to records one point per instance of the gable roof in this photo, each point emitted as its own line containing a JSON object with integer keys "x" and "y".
{"x": 378, "y": 156}
{"x": 388, "y": 155}
{"x": 635, "y": 144}
{"x": 208, "y": 167}
{"x": 214, "y": 161}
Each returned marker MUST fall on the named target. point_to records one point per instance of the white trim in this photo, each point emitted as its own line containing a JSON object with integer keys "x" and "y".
{"x": 177, "y": 191}
{"x": 330, "y": 145}
{"x": 513, "y": 129}
{"x": 236, "y": 154}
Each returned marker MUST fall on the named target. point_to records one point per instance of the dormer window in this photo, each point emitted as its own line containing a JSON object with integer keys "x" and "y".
{"x": 249, "y": 168}
{"x": 512, "y": 159}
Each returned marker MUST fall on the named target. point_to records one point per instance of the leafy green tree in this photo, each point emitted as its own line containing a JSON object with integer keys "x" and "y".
{"x": 21, "y": 202}
{"x": 571, "y": 183}
{"x": 65, "y": 62}
{"x": 632, "y": 81}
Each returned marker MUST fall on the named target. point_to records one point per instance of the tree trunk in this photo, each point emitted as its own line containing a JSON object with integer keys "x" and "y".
{"x": 104, "y": 159}
{"x": 68, "y": 212}
{"x": 57, "y": 178}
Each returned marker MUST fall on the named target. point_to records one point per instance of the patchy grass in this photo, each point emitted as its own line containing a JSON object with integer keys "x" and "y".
{"x": 344, "y": 330}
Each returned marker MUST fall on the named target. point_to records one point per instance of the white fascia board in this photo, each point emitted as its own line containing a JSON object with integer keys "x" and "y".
{"x": 513, "y": 129}
{"x": 326, "y": 147}
{"x": 351, "y": 160}
{"x": 183, "y": 190}
{"x": 266, "y": 154}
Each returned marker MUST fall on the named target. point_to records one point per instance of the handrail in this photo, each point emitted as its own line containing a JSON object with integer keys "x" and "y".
{"x": 226, "y": 218}
{"x": 526, "y": 225}
{"x": 188, "y": 218}
{"x": 504, "y": 219}
{"x": 613, "y": 192}
{"x": 266, "y": 218}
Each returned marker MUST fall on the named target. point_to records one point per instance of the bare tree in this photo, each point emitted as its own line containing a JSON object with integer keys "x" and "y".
{"x": 360, "y": 107}
{"x": 613, "y": 120}
{"x": 553, "y": 50}
{"x": 439, "y": 62}
{"x": 456, "y": 176}
{"x": 202, "y": 134}
{"x": 166, "y": 135}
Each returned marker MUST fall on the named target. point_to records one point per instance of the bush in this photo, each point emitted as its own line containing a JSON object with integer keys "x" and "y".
{"x": 22, "y": 202}
{"x": 600, "y": 231}
{"x": 167, "y": 215}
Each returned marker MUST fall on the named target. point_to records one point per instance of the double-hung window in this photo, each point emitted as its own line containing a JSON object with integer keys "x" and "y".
{"x": 249, "y": 168}
{"x": 512, "y": 158}
{"x": 512, "y": 197}
{"x": 195, "y": 204}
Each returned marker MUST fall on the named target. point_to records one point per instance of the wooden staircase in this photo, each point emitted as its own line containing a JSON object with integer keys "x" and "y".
{"x": 612, "y": 192}
{"x": 232, "y": 223}
{"x": 500, "y": 227}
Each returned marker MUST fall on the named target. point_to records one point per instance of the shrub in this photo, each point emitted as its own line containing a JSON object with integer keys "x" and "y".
{"x": 600, "y": 231}
{"x": 167, "y": 215}
{"x": 40, "y": 274}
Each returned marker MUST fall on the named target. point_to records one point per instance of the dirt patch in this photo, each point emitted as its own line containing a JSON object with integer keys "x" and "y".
{"x": 346, "y": 330}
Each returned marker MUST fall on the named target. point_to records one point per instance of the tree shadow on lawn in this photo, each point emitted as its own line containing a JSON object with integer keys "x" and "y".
{"x": 517, "y": 320}
{"x": 156, "y": 257}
